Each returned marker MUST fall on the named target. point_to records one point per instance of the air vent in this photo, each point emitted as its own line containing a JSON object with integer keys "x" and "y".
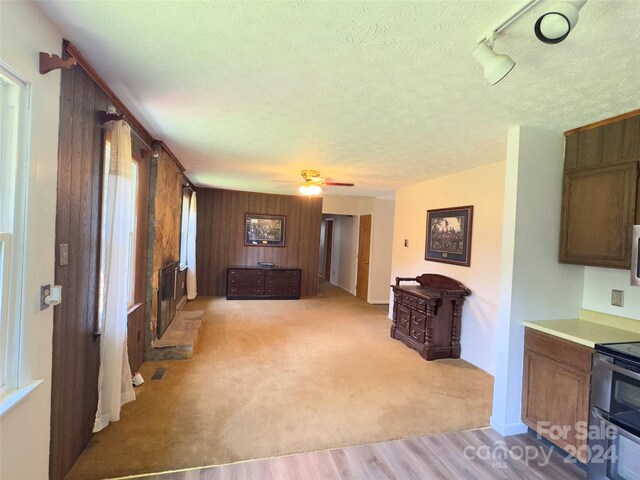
{"x": 158, "y": 374}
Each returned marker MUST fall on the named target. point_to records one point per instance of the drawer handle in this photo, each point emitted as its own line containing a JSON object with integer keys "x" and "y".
{"x": 413, "y": 334}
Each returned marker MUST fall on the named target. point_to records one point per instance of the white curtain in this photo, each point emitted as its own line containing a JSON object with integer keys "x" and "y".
{"x": 114, "y": 380}
{"x": 192, "y": 290}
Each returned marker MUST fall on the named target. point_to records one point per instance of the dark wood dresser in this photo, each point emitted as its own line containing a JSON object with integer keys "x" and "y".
{"x": 426, "y": 317}
{"x": 256, "y": 283}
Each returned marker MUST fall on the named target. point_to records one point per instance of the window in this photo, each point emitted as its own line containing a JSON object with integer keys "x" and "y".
{"x": 133, "y": 234}
{"x": 13, "y": 116}
{"x": 184, "y": 228}
{"x": 132, "y": 230}
{"x": 106, "y": 158}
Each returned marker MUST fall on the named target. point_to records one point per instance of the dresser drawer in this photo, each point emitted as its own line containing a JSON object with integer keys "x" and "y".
{"x": 417, "y": 334}
{"x": 410, "y": 300}
{"x": 235, "y": 290}
{"x": 422, "y": 304}
{"x": 283, "y": 274}
{"x": 418, "y": 319}
{"x": 246, "y": 277}
{"x": 281, "y": 290}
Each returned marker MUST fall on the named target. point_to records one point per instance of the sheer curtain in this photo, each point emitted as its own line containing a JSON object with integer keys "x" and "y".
{"x": 114, "y": 380}
{"x": 192, "y": 290}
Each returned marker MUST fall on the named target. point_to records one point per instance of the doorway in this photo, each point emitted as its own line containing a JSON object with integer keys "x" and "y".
{"x": 364, "y": 249}
{"x": 328, "y": 248}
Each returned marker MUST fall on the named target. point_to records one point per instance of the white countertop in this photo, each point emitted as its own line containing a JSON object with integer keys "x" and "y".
{"x": 591, "y": 328}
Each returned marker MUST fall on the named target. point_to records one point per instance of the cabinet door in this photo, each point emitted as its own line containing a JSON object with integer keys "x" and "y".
{"x": 598, "y": 212}
{"x": 404, "y": 318}
{"x": 555, "y": 402}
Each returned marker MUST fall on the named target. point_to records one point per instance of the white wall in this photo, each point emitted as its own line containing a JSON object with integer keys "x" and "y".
{"x": 24, "y": 431}
{"x": 348, "y": 205}
{"x": 346, "y": 249}
{"x": 598, "y": 283}
{"x": 483, "y": 188}
{"x": 534, "y": 286}
{"x": 344, "y": 252}
{"x": 381, "y": 247}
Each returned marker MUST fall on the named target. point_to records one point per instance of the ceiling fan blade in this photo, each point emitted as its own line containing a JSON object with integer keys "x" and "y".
{"x": 339, "y": 184}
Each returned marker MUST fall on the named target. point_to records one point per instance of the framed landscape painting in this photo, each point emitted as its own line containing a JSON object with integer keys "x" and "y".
{"x": 264, "y": 230}
{"x": 449, "y": 235}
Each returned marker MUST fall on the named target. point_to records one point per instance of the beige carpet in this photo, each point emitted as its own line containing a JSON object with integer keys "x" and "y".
{"x": 279, "y": 377}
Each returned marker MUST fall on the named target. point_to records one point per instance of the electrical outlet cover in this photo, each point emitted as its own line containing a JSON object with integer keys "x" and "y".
{"x": 617, "y": 298}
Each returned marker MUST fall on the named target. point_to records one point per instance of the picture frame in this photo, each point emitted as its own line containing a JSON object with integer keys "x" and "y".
{"x": 448, "y": 237}
{"x": 264, "y": 230}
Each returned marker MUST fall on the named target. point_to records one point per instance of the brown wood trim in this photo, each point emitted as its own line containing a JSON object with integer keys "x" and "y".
{"x": 133, "y": 308}
{"x": 606, "y": 121}
{"x": 171, "y": 154}
{"x": 86, "y": 66}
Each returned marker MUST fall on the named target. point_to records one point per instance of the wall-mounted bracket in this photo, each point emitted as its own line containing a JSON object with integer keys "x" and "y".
{"x": 110, "y": 115}
{"x": 50, "y": 62}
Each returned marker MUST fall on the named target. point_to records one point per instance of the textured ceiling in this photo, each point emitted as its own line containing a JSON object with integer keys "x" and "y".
{"x": 382, "y": 94}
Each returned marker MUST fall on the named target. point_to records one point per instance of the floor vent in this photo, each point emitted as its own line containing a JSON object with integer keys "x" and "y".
{"x": 159, "y": 373}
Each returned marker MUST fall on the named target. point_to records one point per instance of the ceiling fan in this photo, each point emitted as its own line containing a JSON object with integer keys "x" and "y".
{"x": 313, "y": 182}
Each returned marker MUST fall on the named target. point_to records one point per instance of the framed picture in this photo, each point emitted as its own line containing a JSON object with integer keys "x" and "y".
{"x": 449, "y": 235}
{"x": 264, "y": 230}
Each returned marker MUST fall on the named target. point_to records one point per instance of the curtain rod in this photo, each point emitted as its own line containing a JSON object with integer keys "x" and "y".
{"x": 111, "y": 115}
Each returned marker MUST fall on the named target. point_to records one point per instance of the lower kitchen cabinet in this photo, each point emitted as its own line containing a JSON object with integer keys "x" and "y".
{"x": 555, "y": 390}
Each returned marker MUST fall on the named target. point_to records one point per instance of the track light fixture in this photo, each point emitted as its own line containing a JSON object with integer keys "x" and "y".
{"x": 554, "y": 25}
{"x": 496, "y": 66}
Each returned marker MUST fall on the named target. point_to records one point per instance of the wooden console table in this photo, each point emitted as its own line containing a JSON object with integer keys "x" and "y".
{"x": 263, "y": 283}
{"x": 426, "y": 317}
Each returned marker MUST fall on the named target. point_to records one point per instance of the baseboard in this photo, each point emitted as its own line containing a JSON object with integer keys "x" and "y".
{"x": 509, "y": 429}
{"x": 343, "y": 288}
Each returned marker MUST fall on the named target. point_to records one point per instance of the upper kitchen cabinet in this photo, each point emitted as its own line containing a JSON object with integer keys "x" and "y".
{"x": 601, "y": 197}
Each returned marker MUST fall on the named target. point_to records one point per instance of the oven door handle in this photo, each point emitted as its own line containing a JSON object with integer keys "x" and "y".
{"x": 618, "y": 369}
{"x": 619, "y": 430}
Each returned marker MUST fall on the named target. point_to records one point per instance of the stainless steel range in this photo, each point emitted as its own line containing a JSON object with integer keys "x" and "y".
{"x": 614, "y": 425}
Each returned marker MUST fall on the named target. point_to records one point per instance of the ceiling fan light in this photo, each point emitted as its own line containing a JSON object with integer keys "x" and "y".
{"x": 496, "y": 66}
{"x": 310, "y": 189}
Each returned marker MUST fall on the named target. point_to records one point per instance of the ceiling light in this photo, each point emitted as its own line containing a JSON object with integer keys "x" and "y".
{"x": 557, "y": 21}
{"x": 310, "y": 189}
{"x": 496, "y": 66}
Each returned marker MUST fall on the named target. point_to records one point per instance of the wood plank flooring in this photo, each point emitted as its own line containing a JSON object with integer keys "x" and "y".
{"x": 474, "y": 454}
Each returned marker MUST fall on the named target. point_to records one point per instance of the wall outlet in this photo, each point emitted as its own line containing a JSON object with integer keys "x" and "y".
{"x": 617, "y": 298}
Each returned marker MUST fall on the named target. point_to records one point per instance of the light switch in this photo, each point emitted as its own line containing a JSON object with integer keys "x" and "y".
{"x": 406, "y": 242}
{"x": 63, "y": 254}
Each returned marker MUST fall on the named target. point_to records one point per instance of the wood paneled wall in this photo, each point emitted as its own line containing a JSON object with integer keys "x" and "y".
{"x": 76, "y": 350}
{"x": 220, "y": 236}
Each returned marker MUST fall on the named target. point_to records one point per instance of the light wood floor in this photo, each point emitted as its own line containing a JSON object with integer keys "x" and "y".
{"x": 474, "y": 454}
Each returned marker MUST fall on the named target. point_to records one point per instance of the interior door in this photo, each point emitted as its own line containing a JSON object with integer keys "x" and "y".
{"x": 364, "y": 249}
